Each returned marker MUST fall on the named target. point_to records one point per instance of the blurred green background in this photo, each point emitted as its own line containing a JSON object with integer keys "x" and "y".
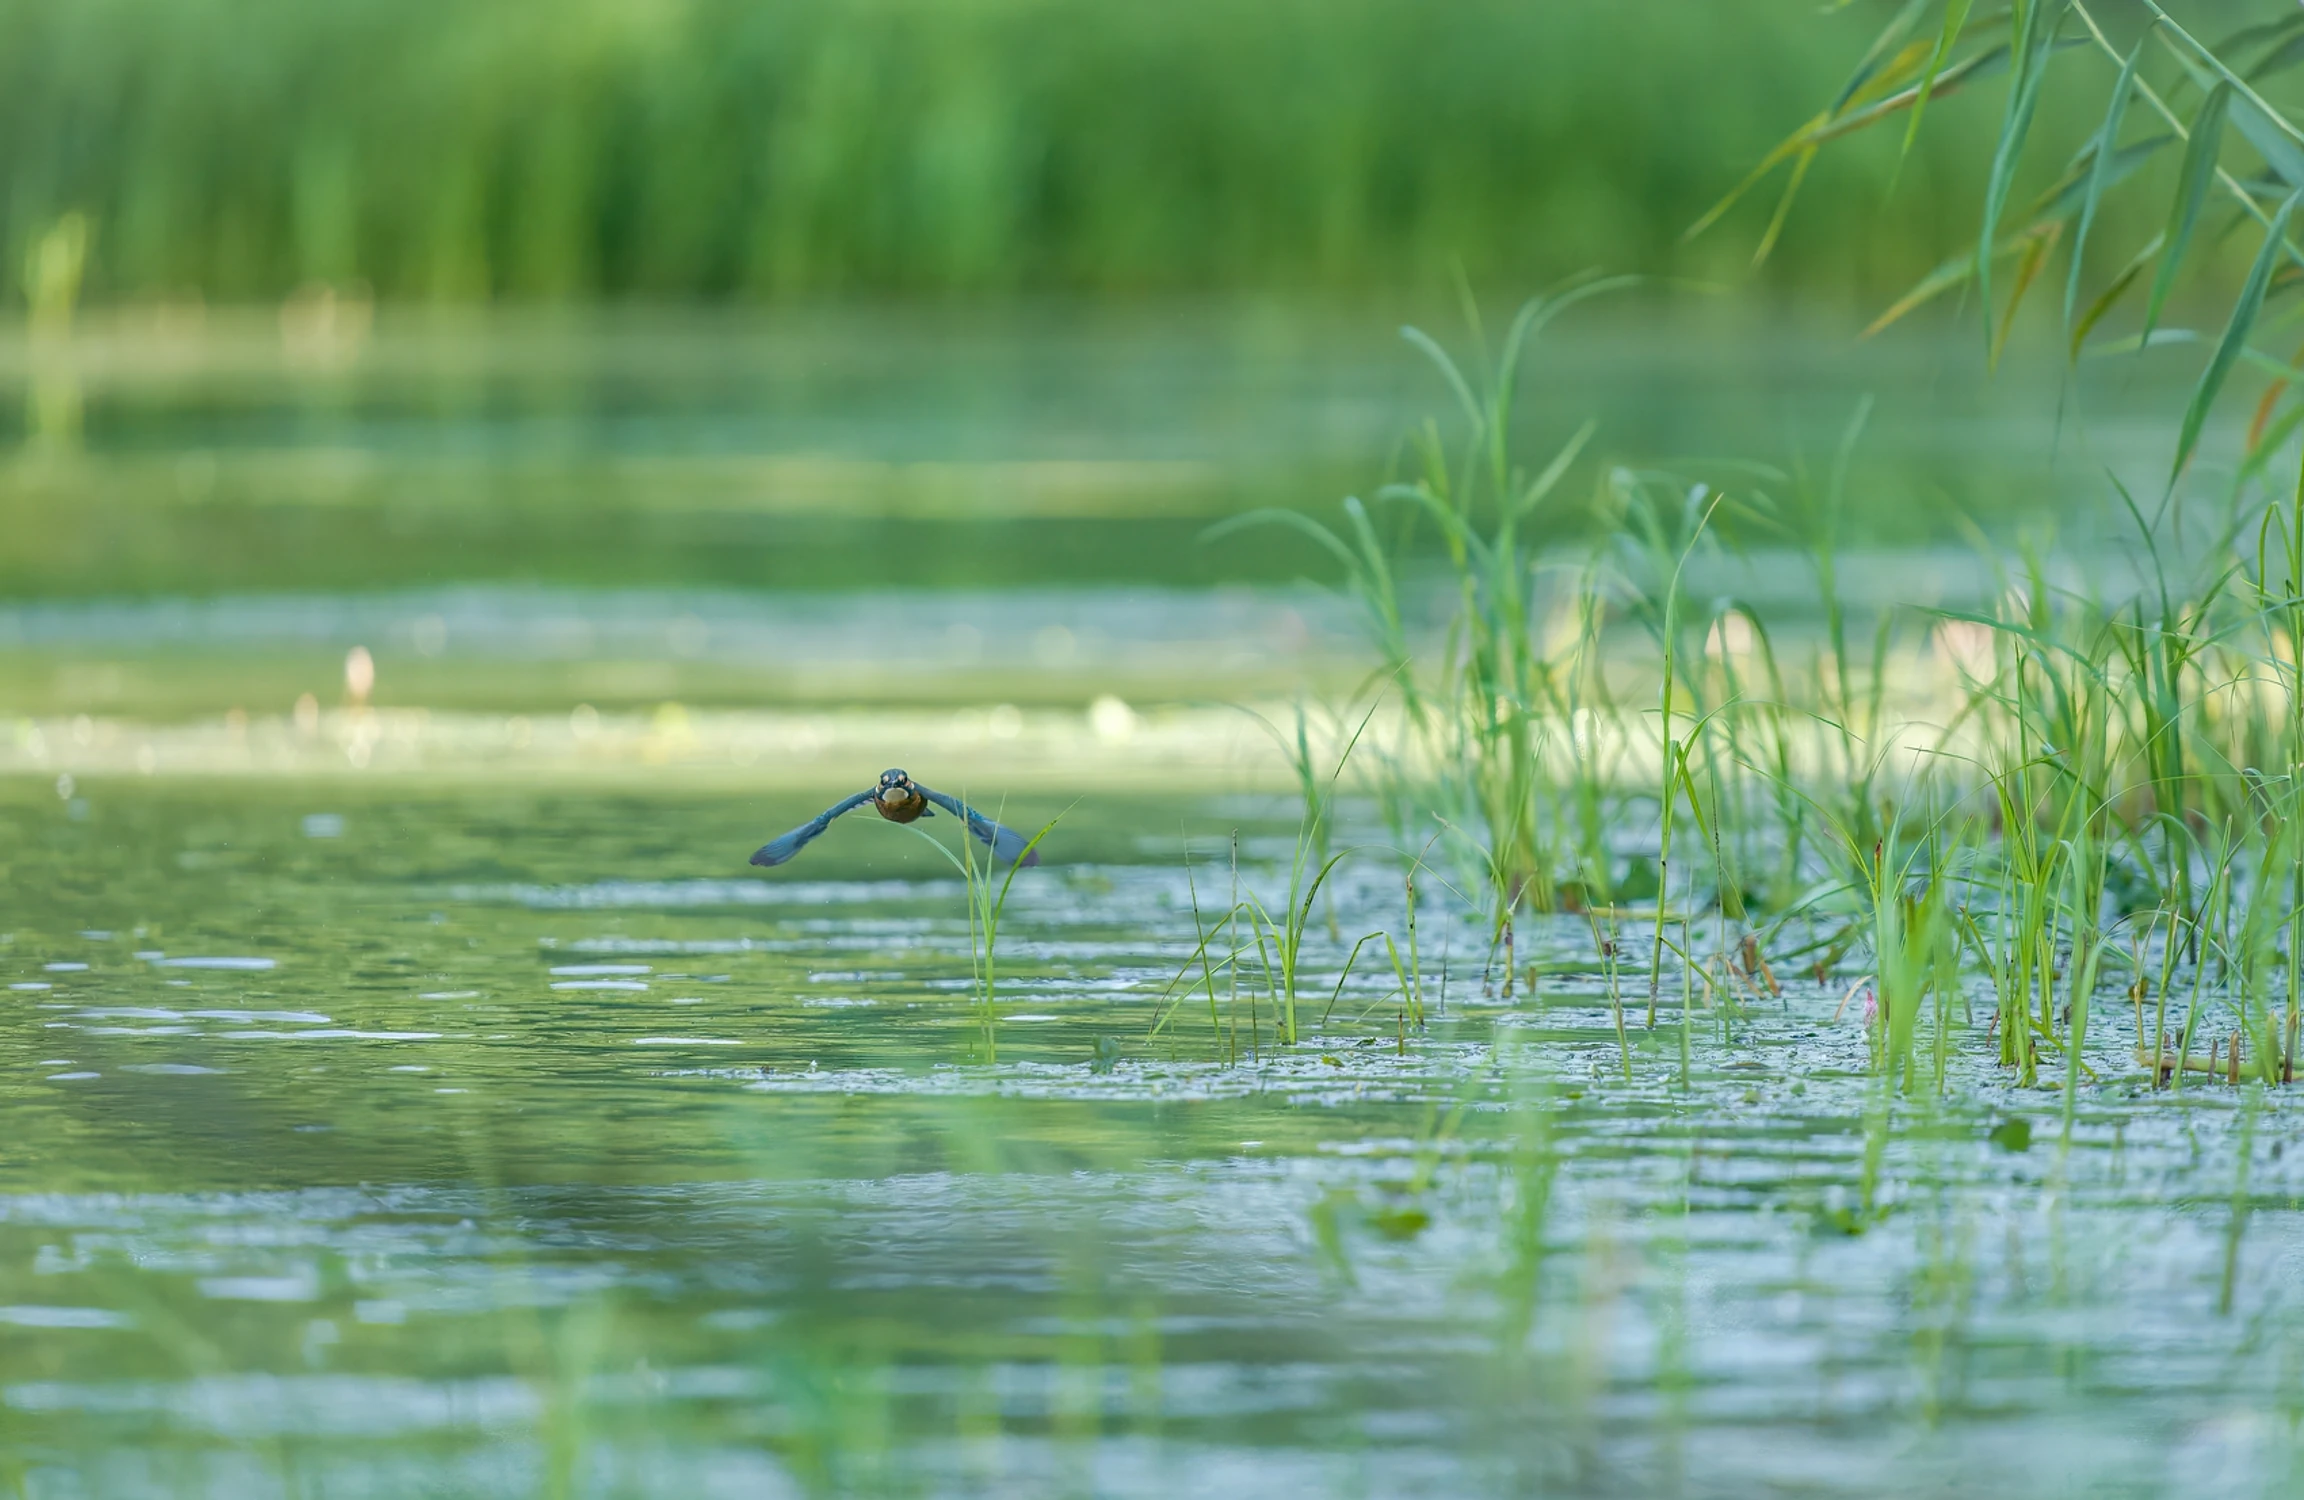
{"x": 389, "y": 297}
{"x": 566, "y": 150}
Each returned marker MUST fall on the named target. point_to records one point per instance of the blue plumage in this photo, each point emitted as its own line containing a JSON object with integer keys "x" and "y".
{"x": 777, "y": 850}
{"x": 900, "y": 799}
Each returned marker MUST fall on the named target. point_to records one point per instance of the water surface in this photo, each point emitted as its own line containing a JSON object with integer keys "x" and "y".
{"x": 378, "y": 1139}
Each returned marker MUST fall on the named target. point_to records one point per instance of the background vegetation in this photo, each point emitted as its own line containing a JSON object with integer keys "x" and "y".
{"x": 575, "y": 149}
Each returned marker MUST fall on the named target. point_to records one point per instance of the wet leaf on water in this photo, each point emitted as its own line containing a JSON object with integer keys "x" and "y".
{"x": 1400, "y": 1223}
{"x": 2012, "y": 1135}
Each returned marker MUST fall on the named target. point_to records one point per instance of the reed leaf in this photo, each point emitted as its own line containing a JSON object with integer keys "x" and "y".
{"x": 1955, "y": 21}
{"x": 2028, "y": 267}
{"x": 2264, "y": 135}
{"x": 2191, "y": 192}
{"x": 2279, "y": 60}
{"x": 2034, "y": 45}
{"x": 1823, "y": 128}
{"x": 2107, "y": 299}
{"x": 1869, "y": 66}
{"x": 1447, "y": 366}
{"x": 2100, "y": 173}
{"x": 1544, "y": 482}
{"x": 2244, "y": 311}
{"x": 2216, "y": 64}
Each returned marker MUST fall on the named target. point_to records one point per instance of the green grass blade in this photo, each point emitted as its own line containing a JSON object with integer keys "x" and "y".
{"x": 1775, "y": 229}
{"x": 1294, "y": 520}
{"x": 1508, "y": 362}
{"x": 2100, "y": 175}
{"x": 2244, "y": 311}
{"x": 1882, "y": 49}
{"x": 2259, "y": 34}
{"x": 2265, "y": 137}
{"x": 1455, "y": 377}
{"x": 2111, "y": 295}
{"x": 1955, "y": 21}
{"x": 2231, "y": 79}
{"x": 2034, "y": 48}
{"x": 2279, "y": 60}
{"x": 1824, "y": 128}
{"x": 2056, "y": 204}
{"x": 2028, "y": 269}
{"x": 1543, "y": 483}
{"x": 2191, "y": 193}
{"x": 2064, "y": 197}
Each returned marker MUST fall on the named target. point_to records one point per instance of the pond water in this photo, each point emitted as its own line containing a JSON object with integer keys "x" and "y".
{"x": 389, "y": 1141}
{"x": 412, "y": 1090}
{"x": 182, "y": 450}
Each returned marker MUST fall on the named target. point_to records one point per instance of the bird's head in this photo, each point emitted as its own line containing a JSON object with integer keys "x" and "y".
{"x": 894, "y": 781}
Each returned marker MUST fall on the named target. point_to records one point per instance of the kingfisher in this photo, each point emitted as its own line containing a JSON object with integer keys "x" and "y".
{"x": 900, "y": 799}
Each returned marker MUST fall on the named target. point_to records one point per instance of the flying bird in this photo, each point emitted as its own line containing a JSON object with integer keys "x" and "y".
{"x": 900, "y": 799}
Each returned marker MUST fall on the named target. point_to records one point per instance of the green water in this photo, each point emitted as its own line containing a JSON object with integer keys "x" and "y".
{"x": 425, "y": 1098}
{"x": 505, "y": 1142}
{"x": 196, "y": 452}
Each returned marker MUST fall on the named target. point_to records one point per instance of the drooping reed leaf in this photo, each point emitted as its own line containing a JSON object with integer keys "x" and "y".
{"x": 2279, "y": 60}
{"x": 2033, "y": 45}
{"x": 2282, "y": 370}
{"x": 2282, "y": 154}
{"x": 1883, "y": 46}
{"x": 2191, "y": 192}
{"x": 1824, "y": 128}
{"x": 2063, "y": 198}
{"x": 2100, "y": 175}
{"x": 2244, "y": 311}
{"x": 2217, "y": 65}
{"x": 1955, "y": 21}
{"x": 1775, "y": 229}
{"x": 2260, "y": 34}
{"x": 1958, "y": 271}
{"x": 2112, "y": 293}
{"x": 2035, "y": 256}
{"x": 2052, "y": 208}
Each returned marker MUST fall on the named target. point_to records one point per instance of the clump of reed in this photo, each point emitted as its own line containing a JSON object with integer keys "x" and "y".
{"x": 1981, "y": 823}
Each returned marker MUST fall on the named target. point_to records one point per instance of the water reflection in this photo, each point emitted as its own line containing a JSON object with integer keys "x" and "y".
{"x": 1030, "y": 445}
{"x": 396, "y": 1210}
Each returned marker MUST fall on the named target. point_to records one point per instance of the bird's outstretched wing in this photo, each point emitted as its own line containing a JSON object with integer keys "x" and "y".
{"x": 777, "y": 850}
{"x": 1006, "y": 843}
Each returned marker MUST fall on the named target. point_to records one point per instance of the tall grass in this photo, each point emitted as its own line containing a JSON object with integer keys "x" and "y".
{"x": 541, "y": 150}
{"x": 2079, "y": 791}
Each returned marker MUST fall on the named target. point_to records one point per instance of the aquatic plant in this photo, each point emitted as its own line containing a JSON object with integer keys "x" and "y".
{"x": 2071, "y": 787}
{"x": 987, "y": 904}
{"x": 1278, "y": 929}
{"x": 2197, "y": 98}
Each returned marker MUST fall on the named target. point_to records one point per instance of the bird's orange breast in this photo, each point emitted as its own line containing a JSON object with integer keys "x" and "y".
{"x": 900, "y": 804}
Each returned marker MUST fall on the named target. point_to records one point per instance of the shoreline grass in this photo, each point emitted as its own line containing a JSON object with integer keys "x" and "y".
{"x": 2028, "y": 804}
